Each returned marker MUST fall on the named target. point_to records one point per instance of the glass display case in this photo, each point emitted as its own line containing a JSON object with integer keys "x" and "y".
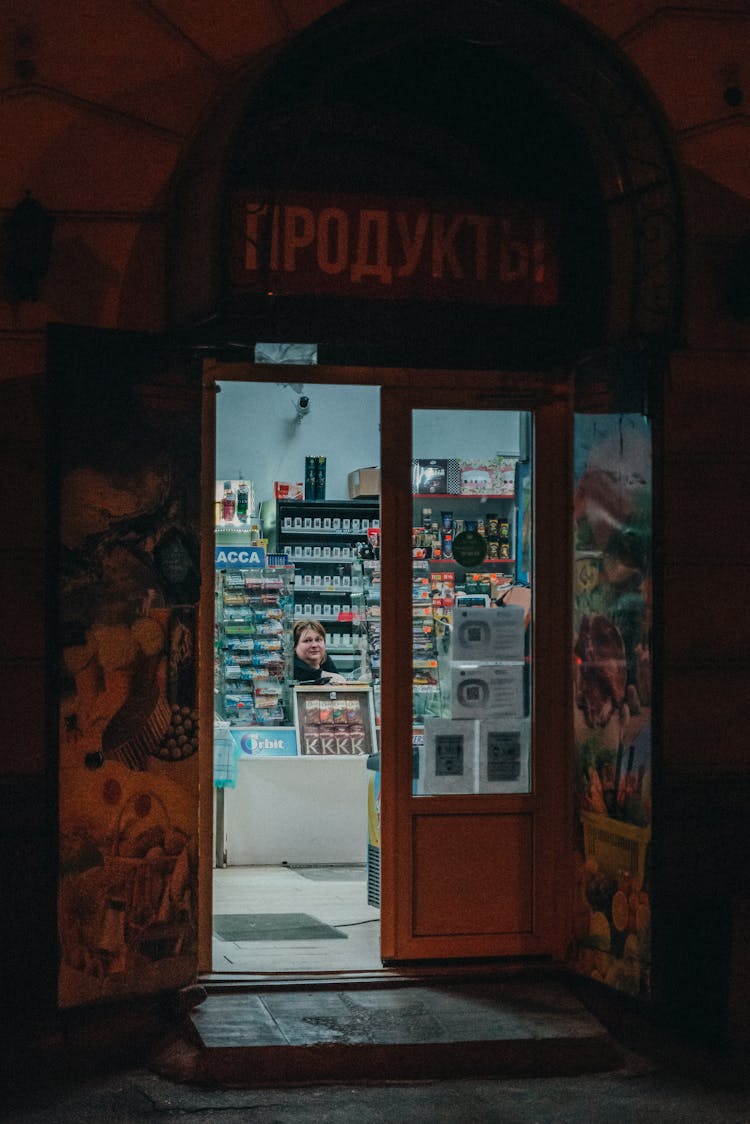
{"x": 253, "y": 666}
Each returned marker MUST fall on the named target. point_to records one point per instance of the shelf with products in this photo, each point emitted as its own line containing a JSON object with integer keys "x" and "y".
{"x": 487, "y": 564}
{"x": 253, "y": 665}
{"x": 371, "y": 583}
{"x": 467, "y": 533}
{"x": 340, "y": 524}
{"x": 427, "y": 630}
{"x": 459, "y": 497}
{"x": 324, "y": 540}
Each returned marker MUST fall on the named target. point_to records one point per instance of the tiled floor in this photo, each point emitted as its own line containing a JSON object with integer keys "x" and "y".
{"x": 340, "y": 900}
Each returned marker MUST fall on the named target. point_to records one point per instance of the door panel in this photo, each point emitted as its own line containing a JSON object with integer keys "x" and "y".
{"x": 126, "y": 465}
{"x": 476, "y": 708}
{"x": 458, "y": 859}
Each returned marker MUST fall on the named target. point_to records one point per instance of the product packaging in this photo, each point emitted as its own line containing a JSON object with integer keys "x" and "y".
{"x": 320, "y": 478}
{"x": 310, "y": 477}
{"x": 430, "y": 477}
{"x": 495, "y": 476}
{"x": 284, "y": 490}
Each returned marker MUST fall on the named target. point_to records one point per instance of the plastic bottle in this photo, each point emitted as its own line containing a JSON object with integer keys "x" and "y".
{"x": 228, "y": 502}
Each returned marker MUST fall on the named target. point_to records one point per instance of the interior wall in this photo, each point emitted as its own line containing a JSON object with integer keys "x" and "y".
{"x": 257, "y": 433}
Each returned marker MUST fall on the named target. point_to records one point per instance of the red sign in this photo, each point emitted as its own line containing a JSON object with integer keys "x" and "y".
{"x": 395, "y": 248}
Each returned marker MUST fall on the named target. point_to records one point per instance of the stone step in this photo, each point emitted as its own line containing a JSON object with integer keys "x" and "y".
{"x": 292, "y": 1035}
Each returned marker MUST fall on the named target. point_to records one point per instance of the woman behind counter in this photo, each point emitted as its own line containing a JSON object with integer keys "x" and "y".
{"x": 312, "y": 664}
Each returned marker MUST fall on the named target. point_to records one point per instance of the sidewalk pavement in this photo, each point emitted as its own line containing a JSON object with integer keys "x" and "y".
{"x": 123, "y": 1066}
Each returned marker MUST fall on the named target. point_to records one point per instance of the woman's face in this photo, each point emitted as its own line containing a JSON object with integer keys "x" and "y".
{"x": 311, "y": 647}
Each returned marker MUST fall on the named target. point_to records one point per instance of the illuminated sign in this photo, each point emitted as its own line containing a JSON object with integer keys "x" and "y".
{"x": 239, "y": 557}
{"x": 504, "y": 253}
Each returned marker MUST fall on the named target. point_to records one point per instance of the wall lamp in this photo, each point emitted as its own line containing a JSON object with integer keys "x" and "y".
{"x": 29, "y": 245}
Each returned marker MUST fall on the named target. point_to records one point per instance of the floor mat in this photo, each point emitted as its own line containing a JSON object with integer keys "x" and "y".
{"x": 332, "y": 873}
{"x": 273, "y": 927}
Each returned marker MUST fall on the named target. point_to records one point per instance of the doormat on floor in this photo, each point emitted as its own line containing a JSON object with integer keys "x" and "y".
{"x": 273, "y": 927}
{"x": 332, "y": 873}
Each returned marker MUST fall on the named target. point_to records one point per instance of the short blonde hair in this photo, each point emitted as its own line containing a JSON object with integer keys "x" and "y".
{"x": 312, "y": 624}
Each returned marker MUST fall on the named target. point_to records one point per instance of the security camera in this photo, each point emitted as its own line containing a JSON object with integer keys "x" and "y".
{"x": 303, "y": 405}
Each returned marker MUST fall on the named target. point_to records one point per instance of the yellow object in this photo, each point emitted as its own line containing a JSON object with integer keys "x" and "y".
{"x": 615, "y": 846}
{"x": 600, "y": 934}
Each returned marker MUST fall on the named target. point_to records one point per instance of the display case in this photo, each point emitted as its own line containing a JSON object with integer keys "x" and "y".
{"x": 426, "y": 687}
{"x": 324, "y": 541}
{"x": 371, "y": 576}
{"x": 440, "y": 520}
{"x": 253, "y": 666}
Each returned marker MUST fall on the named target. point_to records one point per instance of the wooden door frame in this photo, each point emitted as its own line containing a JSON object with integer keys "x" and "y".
{"x": 551, "y": 400}
{"x": 467, "y": 389}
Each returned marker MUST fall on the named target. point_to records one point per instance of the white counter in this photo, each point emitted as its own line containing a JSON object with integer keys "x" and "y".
{"x": 297, "y": 810}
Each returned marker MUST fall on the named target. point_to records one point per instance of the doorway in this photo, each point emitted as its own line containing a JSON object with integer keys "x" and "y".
{"x": 296, "y": 542}
{"x": 452, "y": 797}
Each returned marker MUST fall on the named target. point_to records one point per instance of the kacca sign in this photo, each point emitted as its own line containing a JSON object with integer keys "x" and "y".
{"x": 239, "y": 557}
{"x": 395, "y": 248}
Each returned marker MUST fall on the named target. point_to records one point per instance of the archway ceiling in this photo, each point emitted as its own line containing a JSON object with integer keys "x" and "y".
{"x": 151, "y": 71}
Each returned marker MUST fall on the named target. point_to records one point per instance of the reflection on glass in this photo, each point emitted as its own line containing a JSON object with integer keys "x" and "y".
{"x": 471, "y": 602}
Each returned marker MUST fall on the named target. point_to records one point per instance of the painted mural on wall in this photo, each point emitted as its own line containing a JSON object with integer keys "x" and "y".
{"x": 128, "y": 719}
{"x": 612, "y": 655}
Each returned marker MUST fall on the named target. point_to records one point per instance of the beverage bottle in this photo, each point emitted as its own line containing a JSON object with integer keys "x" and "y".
{"x": 228, "y": 502}
{"x": 243, "y": 500}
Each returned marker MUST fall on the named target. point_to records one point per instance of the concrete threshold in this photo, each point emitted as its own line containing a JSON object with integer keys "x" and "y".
{"x": 414, "y": 1030}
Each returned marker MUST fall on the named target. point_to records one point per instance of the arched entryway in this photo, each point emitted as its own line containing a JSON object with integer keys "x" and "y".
{"x": 464, "y": 99}
{"x": 476, "y": 101}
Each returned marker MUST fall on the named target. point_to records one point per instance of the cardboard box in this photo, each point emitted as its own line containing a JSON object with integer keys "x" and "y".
{"x": 364, "y": 483}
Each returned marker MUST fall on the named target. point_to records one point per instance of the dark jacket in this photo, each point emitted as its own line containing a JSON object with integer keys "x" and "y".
{"x": 303, "y": 673}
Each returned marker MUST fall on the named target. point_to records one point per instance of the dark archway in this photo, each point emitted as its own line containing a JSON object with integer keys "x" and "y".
{"x": 492, "y": 98}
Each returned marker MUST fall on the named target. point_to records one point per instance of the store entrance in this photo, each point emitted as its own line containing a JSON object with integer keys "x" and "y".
{"x": 391, "y": 710}
{"x": 296, "y": 674}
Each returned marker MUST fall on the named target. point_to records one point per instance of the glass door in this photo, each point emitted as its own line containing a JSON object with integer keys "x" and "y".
{"x": 474, "y": 769}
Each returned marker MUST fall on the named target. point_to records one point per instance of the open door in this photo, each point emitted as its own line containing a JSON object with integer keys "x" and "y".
{"x": 476, "y": 737}
{"x": 125, "y": 418}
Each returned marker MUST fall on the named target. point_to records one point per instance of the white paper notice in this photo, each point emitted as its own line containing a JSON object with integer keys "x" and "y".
{"x": 488, "y": 634}
{"x": 450, "y": 756}
{"x": 487, "y": 690}
{"x": 503, "y": 755}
